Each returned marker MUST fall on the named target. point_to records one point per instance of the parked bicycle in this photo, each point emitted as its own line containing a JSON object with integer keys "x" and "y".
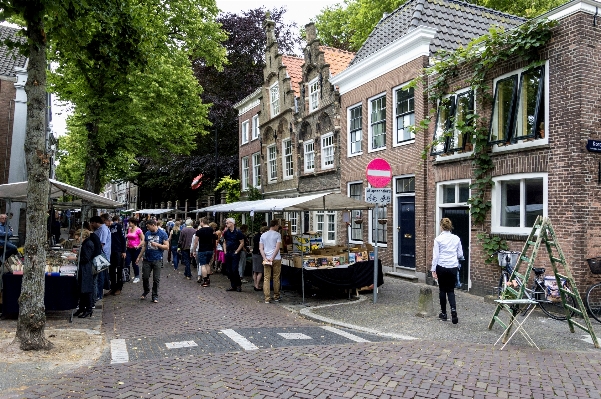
{"x": 593, "y": 294}
{"x": 544, "y": 289}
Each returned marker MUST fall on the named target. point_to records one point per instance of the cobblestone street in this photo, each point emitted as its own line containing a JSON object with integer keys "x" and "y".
{"x": 208, "y": 343}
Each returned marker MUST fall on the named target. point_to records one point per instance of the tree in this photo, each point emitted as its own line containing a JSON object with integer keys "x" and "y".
{"x": 216, "y": 154}
{"x": 130, "y": 79}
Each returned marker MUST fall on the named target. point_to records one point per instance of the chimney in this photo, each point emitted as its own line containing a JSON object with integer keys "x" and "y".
{"x": 310, "y": 32}
{"x": 269, "y": 27}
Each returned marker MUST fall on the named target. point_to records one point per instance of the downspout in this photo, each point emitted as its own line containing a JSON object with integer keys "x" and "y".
{"x": 8, "y": 131}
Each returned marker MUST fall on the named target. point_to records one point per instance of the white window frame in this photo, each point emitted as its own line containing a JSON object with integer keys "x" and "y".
{"x": 384, "y": 226}
{"x": 355, "y": 213}
{"x": 313, "y": 94}
{"x": 369, "y": 124}
{"x": 496, "y": 198}
{"x": 326, "y": 219}
{"x": 256, "y": 169}
{"x": 287, "y": 159}
{"x": 292, "y": 217}
{"x": 309, "y": 156}
{"x": 324, "y": 149}
{"x": 255, "y": 128}
{"x": 450, "y": 155}
{"x": 245, "y": 128}
{"x": 523, "y": 144}
{"x": 395, "y": 141}
{"x": 350, "y": 132}
{"x": 245, "y": 173}
{"x": 274, "y": 99}
{"x": 272, "y": 163}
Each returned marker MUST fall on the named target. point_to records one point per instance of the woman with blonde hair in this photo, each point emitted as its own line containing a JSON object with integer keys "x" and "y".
{"x": 445, "y": 263}
{"x": 173, "y": 240}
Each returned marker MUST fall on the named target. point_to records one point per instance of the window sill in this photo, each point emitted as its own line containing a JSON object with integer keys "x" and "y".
{"x": 289, "y": 177}
{"x": 521, "y": 145}
{"x": 511, "y": 231}
{"x": 356, "y": 154}
{"x": 453, "y": 157}
{"x": 376, "y": 149}
{"x": 309, "y": 171}
{"x": 402, "y": 143}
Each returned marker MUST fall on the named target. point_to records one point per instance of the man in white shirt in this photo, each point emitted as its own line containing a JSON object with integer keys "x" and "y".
{"x": 269, "y": 246}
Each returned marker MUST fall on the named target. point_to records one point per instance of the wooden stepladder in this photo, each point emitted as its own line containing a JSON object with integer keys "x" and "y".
{"x": 546, "y": 235}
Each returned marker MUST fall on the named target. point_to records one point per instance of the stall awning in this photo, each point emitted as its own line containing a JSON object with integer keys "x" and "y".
{"x": 314, "y": 202}
{"x": 154, "y": 211}
{"x": 17, "y": 192}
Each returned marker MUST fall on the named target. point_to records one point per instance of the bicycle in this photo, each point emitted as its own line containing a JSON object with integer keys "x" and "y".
{"x": 547, "y": 296}
{"x": 593, "y": 294}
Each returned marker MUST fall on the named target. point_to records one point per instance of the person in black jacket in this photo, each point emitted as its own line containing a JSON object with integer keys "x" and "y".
{"x": 90, "y": 248}
{"x": 117, "y": 256}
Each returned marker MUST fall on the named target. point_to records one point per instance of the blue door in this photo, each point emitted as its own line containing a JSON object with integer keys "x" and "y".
{"x": 406, "y": 231}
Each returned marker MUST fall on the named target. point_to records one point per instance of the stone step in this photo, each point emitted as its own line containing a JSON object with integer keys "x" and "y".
{"x": 408, "y": 276}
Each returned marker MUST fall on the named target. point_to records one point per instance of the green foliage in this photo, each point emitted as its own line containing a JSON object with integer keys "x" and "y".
{"x": 482, "y": 54}
{"x": 522, "y": 8}
{"x": 231, "y": 188}
{"x": 347, "y": 26}
{"x": 491, "y": 244}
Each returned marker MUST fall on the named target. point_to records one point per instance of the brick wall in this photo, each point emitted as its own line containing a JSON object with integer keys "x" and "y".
{"x": 249, "y": 148}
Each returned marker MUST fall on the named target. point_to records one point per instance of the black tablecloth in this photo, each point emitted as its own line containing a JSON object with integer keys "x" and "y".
{"x": 61, "y": 293}
{"x": 357, "y": 275}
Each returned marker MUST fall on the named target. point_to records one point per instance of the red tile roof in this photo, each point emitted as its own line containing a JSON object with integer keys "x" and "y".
{"x": 295, "y": 71}
{"x": 338, "y": 59}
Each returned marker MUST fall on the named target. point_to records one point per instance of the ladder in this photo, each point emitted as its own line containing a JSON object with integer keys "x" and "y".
{"x": 546, "y": 235}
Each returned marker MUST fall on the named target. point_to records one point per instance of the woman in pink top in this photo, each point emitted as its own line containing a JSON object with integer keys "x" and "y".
{"x": 134, "y": 242}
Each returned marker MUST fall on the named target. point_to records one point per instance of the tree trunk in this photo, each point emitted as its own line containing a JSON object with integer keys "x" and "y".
{"x": 91, "y": 177}
{"x": 32, "y": 312}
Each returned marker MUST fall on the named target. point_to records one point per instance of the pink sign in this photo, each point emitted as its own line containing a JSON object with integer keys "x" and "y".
{"x": 379, "y": 173}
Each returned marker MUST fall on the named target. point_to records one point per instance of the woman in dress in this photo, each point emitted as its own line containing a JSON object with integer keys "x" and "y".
{"x": 134, "y": 242}
{"x": 258, "y": 260}
{"x": 90, "y": 248}
{"x": 445, "y": 263}
{"x": 173, "y": 240}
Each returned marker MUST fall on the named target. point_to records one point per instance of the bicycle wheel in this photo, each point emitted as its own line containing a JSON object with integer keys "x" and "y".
{"x": 593, "y": 301}
{"x": 555, "y": 309}
{"x": 502, "y": 284}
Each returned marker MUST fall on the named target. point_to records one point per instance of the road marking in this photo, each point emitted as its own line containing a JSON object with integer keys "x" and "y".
{"x": 180, "y": 344}
{"x": 344, "y": 334}
{"x": 240, "y": 340}
{"x": 119, "y": 351}
{"x": 294, "y": 336}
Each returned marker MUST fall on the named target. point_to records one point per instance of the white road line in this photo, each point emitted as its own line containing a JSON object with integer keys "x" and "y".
{"x": 180, "y": 344}
{"x": 119, "y": 351}
{"x": 294, "y": 336}
{"x": 344, "y": 334}
{"x": 240, "y": 340}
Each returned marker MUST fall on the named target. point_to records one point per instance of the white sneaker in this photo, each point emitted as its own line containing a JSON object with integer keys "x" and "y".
{"x": 136, "y": 280}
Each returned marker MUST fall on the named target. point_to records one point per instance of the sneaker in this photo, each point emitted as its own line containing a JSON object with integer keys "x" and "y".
{"x": 136, "y": 280}
{"x": 454, "y": 318}
{"x": 267, "y": 302}
{"x": 442, "y": 316}
{"x": 276, "y": 300}
{"x": 243, "y": 280}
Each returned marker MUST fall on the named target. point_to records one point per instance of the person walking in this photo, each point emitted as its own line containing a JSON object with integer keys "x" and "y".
{"x": 134, "y": 243}
{"x": 269, "y": 246}
{"x": 90, "y": 248}
{"x": 117, "y": 256}
{"x": 204, "y": 241}
{"x": 445, "y": 263}
{"x": 233, "y": 242}
{"x": 173, "y": 242}
{"x": 258, "y": 259}
{"x": 156, "y": 241}
{"x": 184, "y": 243}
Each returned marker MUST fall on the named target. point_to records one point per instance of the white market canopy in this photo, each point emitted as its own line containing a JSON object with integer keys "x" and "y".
{"x": 154, "y": 211}
{"x": 17, "y": 192}
{"x": 314, "y": 202}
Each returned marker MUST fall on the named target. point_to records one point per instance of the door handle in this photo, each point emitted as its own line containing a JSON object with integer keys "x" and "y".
{"x": 408, "y": 235}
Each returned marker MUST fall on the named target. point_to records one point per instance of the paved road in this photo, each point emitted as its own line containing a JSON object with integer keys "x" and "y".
{"x": 208, "y": 343}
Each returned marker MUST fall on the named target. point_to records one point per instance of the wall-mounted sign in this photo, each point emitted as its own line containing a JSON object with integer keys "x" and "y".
{"x": 594, "y": 145}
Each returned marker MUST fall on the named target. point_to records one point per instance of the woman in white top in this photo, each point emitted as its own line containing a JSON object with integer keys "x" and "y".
{"x": 445, "y": 263}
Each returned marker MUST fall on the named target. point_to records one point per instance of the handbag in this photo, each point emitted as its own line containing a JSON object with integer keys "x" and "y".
{"x": 100, "y": 263}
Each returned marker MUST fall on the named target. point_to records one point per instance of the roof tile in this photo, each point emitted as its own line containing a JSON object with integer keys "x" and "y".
{"x": 336, "y": 58}
{"x": 10, "y": 59}
{"x": 295, "y": 71}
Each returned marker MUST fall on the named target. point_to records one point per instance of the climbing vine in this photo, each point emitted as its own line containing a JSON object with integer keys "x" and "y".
{"x": 481, "y": 55}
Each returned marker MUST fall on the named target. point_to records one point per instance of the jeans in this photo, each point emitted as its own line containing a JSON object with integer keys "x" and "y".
{"x": 131, "y": 255}
{"x": 272, "y": 271}
{"x": 153, "y": 266}
{"x": 11, "y": 249}
{"x": 232, "y": 260}
{"x": 175, "y": 257}
{"x": 242, "y": 263}
{"x": 186, "y": 262}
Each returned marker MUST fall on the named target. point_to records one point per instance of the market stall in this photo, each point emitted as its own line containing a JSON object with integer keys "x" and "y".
{"x": 335, "y": 273}
{"x": 61, "y": 269}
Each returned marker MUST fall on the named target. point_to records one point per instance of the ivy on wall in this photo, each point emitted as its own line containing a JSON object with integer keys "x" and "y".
{"x": 481, "y": 55}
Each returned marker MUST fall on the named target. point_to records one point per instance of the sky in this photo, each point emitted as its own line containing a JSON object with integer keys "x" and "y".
{"x": 300, "y": 12}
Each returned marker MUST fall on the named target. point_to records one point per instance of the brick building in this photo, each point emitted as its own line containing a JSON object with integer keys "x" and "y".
{"x": 249, "y": 142}
{"x": 379, "y": 108}
{"x": 538, "y": 137}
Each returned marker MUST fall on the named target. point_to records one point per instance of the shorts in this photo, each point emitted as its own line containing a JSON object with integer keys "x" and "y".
{"x": 203, "y": 257}
{"x": 257, "y": 263}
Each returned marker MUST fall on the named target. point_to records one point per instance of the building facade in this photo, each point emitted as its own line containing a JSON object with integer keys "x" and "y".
{"x": 249, "y": 140}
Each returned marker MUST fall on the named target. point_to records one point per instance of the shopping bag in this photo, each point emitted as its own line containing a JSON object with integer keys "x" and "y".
{"x": 100, "y": 263}
{"x": 126, "y": 274}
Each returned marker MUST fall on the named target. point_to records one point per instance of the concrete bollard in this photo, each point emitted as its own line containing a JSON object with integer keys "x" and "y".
{"x": 425, "y": 307}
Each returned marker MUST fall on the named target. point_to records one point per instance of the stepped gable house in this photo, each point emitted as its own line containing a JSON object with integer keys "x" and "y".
{"x": 379, "y": 109}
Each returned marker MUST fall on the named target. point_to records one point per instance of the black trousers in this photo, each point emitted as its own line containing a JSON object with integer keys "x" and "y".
{"x": 447, "y": 278}
{"x": 116, "y": 271}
